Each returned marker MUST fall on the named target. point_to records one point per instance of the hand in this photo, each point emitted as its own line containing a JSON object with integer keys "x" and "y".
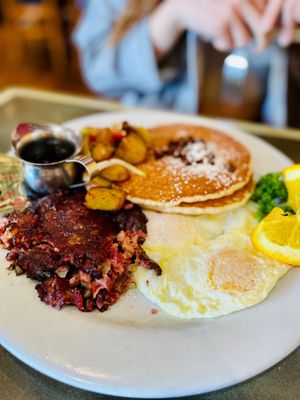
{"x": 226, "y": 23}
{"x": 289, "y": 13}
{"x": 229, "y": 23}
{"x": 250, "y": 14}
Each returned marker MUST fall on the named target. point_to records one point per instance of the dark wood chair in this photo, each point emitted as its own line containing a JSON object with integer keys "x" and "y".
{"x": 26, "y": 23}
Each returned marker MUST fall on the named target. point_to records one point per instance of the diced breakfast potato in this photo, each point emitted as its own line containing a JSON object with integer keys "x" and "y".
{"x": 115, "y": 173}
{"x": 104, "y": 136}
{"x": 88, "y": 130}
{"x": 127, "y": 143}
{"x": 132, "y": 149}
{"x": 99, "y": 181}
{"x": 102, "y": 152}
{"x": 97, "y": 135}
{"x": 106, "y": 199}
{"x": 144, "y": 134}
{"x": 86, "y": 144}
{"x": 85, "y": 177}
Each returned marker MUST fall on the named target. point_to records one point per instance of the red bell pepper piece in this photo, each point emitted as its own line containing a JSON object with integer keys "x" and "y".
{"x": 93, "y": 138}
{"x": 118, "y": 135}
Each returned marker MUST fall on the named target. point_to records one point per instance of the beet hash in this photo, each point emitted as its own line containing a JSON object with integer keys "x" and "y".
{"x": 79, "y": 256}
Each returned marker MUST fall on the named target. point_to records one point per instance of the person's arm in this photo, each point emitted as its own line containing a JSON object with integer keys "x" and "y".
{"x": 115, "y": 69}
{"x": 140, "y": 63}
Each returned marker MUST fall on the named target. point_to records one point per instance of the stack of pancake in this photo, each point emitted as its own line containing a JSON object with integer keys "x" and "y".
{"x": 192, "y": 170}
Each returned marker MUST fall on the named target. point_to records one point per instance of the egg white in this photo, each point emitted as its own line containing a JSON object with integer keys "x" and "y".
{"x": 209, "y": 265}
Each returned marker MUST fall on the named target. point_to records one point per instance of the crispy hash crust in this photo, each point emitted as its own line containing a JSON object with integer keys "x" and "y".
{"x": 79, "y": 256}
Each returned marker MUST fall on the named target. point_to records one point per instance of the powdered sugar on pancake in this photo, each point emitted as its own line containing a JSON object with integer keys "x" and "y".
{"x": 199, "y": 151}
{"x": 210, "y": 166}
{"x": 199, "y": 155}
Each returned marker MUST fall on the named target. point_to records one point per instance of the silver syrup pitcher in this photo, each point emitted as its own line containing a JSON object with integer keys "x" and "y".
{"x": 46, "y": 170}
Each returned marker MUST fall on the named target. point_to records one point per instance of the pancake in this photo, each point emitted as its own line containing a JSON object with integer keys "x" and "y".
{"x": 213, "y": 206}
{"x": 209, "y": 166}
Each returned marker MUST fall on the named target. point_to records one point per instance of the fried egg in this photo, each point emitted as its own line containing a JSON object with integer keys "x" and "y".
{"x": 209, "y": 265}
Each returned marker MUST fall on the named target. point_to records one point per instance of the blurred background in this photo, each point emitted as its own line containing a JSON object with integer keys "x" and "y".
{"x": 37, "y": 52}
{"x": 35, "y": 45}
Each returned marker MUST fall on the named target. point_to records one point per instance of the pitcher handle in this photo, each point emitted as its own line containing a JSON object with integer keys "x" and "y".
{"x": 87, "y": 162}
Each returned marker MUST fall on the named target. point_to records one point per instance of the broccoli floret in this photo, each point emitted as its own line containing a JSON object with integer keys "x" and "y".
{"x": 270, "y": 192}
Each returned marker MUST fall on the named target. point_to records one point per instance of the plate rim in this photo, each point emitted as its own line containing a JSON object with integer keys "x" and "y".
{"x": 109, "y": 391}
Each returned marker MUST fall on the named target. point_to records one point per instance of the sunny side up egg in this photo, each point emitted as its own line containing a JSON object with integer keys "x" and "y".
{"x": 209, "y": 265}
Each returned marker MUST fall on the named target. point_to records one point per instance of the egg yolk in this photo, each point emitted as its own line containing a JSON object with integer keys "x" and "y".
{"x": 233, "y": 270}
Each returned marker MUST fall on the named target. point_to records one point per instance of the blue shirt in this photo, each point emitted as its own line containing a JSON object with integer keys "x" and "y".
{"x": 129, "y": 71}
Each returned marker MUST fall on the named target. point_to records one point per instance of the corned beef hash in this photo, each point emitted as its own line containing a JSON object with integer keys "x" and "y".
{"x": 79, "y": 256}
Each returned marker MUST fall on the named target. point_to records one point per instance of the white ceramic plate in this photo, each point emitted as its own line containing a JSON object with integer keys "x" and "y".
{"x": 127, "y": 351}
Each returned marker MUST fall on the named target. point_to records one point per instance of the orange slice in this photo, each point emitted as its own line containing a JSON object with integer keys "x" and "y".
{"x": 291, "y": 176}
{"x": 278, "y": 236}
